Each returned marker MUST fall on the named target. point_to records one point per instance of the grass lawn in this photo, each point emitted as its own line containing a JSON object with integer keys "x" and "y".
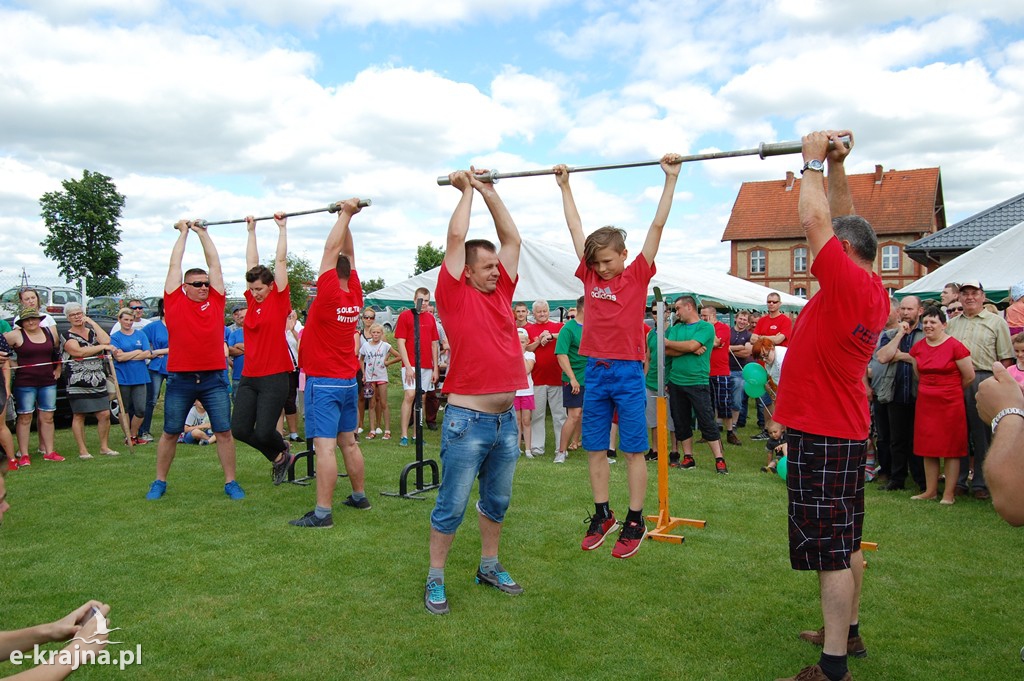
{"x": 215, "y": 589}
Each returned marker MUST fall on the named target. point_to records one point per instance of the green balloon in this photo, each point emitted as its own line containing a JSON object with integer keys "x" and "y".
{"x": 754, "y": 390}
{"x": 755, "y": 373}
{"x": 780, "y": 468}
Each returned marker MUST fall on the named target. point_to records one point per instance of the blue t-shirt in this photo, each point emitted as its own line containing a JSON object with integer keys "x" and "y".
{"x": 238, "y": 362}
{"x": 156, "y": 332}
{"x": 132, "y": 372}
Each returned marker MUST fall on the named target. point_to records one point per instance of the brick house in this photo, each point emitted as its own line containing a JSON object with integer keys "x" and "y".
{"x": 767, "y": 243}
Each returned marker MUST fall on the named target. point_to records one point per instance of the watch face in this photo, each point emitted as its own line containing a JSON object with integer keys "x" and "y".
{"x": 815, "y": 165}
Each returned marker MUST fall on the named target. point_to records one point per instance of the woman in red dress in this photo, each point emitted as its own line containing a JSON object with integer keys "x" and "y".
{"x": 943, "y": 366}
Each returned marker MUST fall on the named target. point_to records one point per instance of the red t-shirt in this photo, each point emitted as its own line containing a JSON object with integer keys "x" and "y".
{"x": 266, "y": 349}
{"x": 615, "y": 311}
{"x": 767, "y": 326}
{"x": 821, "y": 390}
{"x": 546, "y": 371}
{"x": 428, "y": 334}
{"x": 486, "y": 356}
{"x": 719, "y": 355}
{"x": 328, "y": 347}
{"x": 195, "y": 332}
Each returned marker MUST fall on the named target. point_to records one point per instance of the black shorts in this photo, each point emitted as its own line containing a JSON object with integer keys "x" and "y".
{"x": 825, "y": 479}
{"x": 570, "y": 401}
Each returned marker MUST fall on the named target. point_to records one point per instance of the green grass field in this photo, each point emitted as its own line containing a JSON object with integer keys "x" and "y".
{"x": 215, "y": 589}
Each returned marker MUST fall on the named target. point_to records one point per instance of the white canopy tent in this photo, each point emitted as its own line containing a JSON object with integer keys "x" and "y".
{"x": 998, "y": 263}
{"x": 547, "y": 272}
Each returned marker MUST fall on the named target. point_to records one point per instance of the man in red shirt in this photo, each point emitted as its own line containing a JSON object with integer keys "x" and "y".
{"x": 429, "y": 348}
{"x": 327, "y": 354}
{"x": 547, "y": 377}
{"x": 721, "y": 378}
{"x": 778, "y": 328}
{"x": 479, "y": 438}
{"x": 196, "y": 358}
{"x": 823, "y": 402}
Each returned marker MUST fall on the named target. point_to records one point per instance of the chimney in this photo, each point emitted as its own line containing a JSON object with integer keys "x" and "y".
{"x": 878, "y": 173}
{"x": 789, "y": 180}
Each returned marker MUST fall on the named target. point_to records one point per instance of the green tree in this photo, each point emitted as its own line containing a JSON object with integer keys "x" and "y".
{"x": 83, "y": 232}
{"x": 301, "y": 276}
{"x": 428, "y": 257}
{"x": 371, "y": 285}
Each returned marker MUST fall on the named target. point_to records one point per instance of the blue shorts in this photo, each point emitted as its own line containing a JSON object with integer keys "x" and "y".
{"x": 331, "y": 405}
{"x": 475, "y": 445}
{"x": 184, "y": 388}
{"x": 612, "y": 385}
{"x": 570, "y": 401}
{"x": 29, "y": 398}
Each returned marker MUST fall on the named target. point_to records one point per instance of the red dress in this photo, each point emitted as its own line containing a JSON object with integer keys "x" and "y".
{"x": 940, "y": 418}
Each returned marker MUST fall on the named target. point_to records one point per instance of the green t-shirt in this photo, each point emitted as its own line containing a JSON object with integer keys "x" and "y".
{"x": 691, "y": 369}
{"x": 568, "y": 344}
{"x": 652, "y": 366}
{"x": 4, "y": 326}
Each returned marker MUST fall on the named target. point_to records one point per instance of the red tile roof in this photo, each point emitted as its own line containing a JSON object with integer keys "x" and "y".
{"x": 905, "y": 201}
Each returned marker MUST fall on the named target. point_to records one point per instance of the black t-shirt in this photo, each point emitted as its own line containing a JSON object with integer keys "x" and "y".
{"x": 738, "y": 338}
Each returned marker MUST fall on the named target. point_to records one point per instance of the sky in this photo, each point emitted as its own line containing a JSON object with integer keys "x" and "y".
{"x": 219, "y": 109}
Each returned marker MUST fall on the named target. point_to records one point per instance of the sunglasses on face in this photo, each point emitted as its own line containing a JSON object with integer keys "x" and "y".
{"x": 366, "y": 316}
{"x": 956, "y": 309}
{"x": 136, "y": 307}
{"x": 194, "y": 284}
{"x": 572, "y": 316}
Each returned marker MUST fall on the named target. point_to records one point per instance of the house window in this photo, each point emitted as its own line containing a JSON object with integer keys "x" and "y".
{"x": 757, "y": 261}
{"x": 890, "y": 258}
{"x": 800, "y": 259}
{"x": 800, "y": 291}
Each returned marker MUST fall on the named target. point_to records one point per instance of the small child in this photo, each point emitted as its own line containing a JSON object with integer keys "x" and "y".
{"x": 377, "y": 356}
{"x": 776, "y": 445}
{"x": 614, "y": 344}
{"x": 1017, "y": 370}
{"x": 523, "y": 401}
{"x": 197, "y": 427}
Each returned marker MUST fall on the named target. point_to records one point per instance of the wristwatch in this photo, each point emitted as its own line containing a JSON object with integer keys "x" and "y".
{"x": 815, "y": 165}
{"x": 1006, "y": 412}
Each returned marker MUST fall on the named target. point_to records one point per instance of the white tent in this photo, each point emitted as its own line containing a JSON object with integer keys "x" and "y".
{"x": 998, "y": 263}
{"x": 547, "y": 272}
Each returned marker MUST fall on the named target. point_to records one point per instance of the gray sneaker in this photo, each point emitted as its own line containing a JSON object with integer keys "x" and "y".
{"x": 279, "y": 469}
{"x": 500, "y": 580}
{"x": 310, "y": 520}
{"x": 434, "y": 598}
{"x": 560, "y": 457}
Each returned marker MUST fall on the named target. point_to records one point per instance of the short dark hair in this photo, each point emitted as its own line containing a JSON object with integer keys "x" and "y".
{"x": 580, "y": 302}
{"x": 953, "y": 285}
{"x": 689, "y": 300}
{"x": 261, "y": 273}
{"x": 194, "y": 270}
{"x": 934, "y": 311}
{"x": 859, "y": 233}
{"x": 474, "y": 245}
{"x": 344, "y": 267}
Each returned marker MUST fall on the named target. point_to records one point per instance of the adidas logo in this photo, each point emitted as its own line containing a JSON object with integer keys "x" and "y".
{"x": 602, "y": 293}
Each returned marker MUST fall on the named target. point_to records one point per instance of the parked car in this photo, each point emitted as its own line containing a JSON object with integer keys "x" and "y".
{"x": 386, "y": 317}
{"x": 104, "y": 306}
{"x": 51, "y": 299}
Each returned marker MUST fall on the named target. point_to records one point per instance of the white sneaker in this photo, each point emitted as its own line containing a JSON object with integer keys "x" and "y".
{"x": 359, "y": 431}
{"x": 530, "y": 454}
{"x": 378, "y": 432}
{"x": 612, "y": 459}
{"x": 537, "y": 451}
{"x": 560, "y": 457}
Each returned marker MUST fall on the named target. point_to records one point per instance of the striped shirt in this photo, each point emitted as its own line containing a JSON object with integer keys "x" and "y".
{"x": 987, "y": 337}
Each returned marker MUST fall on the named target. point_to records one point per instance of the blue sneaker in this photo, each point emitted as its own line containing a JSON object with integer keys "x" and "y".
{"x": 156, "y": 490}
{"x": 404, "y": 442}
{"x": 435, "y": 599}
{"x": 234, "y": 490}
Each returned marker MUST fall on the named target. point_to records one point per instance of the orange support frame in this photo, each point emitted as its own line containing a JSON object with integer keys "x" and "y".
{"x": 664, "y": 520}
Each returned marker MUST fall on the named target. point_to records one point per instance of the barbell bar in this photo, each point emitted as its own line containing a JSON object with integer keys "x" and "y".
{"x": 332, "y": 208}
{"x": 764, "y": 150}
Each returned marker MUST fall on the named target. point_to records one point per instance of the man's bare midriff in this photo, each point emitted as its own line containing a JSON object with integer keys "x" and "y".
{"x": 491, "y": 403}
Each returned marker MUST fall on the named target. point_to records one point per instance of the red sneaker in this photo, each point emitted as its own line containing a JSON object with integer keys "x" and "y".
{"x": 53, "y": 456}
{"x": 629, "y": 541}
{"x": 24, "y": 461}
{"x": 12, "y": 464}
{"x": 599, "y": 529}
{"x": 720, "y": 466}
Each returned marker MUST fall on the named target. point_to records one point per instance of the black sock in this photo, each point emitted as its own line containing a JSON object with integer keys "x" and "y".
{"x": 635, "y": 516}
{"x": 602, "y": 510}
{"x": 834, "y": 666}
{"x": 855, "y": 630}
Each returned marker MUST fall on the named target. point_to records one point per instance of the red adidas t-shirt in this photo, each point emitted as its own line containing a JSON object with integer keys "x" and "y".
{"x": 821, "y": 390}
{"x": 428, "y": 333}
{"x": 546, "y": 370}
{"x": 195, "y": 332}
{"x": 266, "y": 349}
{"x": 719, "y": 355}
{"x": 766, "y": 326}
{"x": 615, "y": 311}
{"x": 328, "y": 346}
{"x": 486, "y": 356}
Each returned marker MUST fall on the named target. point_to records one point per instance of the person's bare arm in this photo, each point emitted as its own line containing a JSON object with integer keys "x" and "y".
{"x": 212, "y": 257}
{"x": 572, "y": 215}
{"x": 281, "y": 255}
{"x": 813, "y": 203}
{"x": 888, "y": 352}
{"x": 174, "y": 277}
{"x": 563, "y": 363}
{"x": 840, "y": 202}
{"x": 339, "y": 240}
{"x": 671, "y": 164}
{"x": 252, "y": 255}
{"x": 508, "y": 233}
{"x": 1004, "y": 464}
{"x": 966, "y": 367}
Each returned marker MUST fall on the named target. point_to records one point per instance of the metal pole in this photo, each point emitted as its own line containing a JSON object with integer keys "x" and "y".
{"x": 332, "y": 208}
{"x": 764, "y": 150}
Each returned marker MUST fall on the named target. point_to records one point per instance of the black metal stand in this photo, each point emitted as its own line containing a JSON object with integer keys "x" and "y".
{"x": 310, "y": 456}
{"x": 417, "y": 407}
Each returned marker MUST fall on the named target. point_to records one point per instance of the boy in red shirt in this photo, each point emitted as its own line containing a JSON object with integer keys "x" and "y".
{"x": 614, "y": 343}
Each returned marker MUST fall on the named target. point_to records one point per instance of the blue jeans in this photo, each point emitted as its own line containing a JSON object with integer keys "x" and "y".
{"x": 739, "y": 397}
{"x": 475, "y": 445}
{"x": 156, "y": 384}
{"x": 184, "y": 388}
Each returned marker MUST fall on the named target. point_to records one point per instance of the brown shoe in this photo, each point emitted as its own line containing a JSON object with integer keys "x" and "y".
{"x": 813, "y": 673}
{"x": 854, "y": 646}
{"x": 982, "y": 494}
{"x": 960, "y": 491}
{"x": 732, "y": 438}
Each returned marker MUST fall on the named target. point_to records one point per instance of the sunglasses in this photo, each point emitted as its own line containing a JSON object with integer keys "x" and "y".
{"x": 572, "y": 316}
{"x": 958, "y": 308}
{"x": 195, "y": 284}
{"x": 136, "y": 307}
{"x": 366, "y": 316}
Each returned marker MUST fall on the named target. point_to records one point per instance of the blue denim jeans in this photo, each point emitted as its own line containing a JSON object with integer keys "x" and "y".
{"x": 184, "y": 388}
{"x": 739, "y": 396}
{"x": 475, "y": 445}
{"x": 156, "y": 384}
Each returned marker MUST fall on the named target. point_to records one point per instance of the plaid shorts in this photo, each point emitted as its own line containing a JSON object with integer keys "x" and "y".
{"x": 825, "y": 478}
{"x": 721, "y": 395}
